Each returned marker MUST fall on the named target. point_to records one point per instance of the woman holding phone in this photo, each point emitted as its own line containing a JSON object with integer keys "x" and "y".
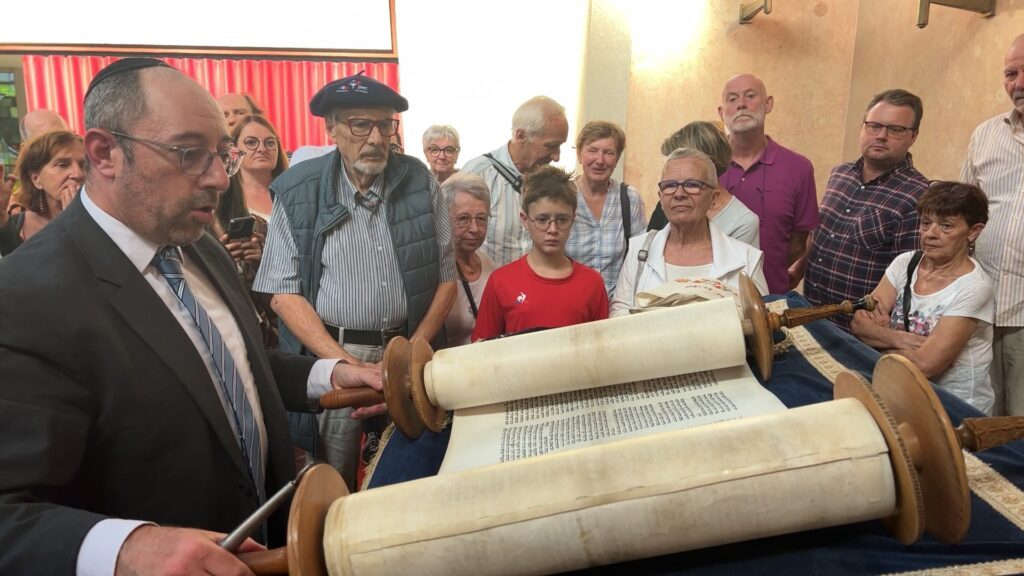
{"x": 243, "y": 211}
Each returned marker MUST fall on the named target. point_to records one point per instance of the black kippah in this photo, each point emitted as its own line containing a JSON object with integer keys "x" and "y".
{"x": 124, "y": 65}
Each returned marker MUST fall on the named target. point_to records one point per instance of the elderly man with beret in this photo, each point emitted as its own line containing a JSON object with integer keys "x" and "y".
{"x": 359, "y": 248}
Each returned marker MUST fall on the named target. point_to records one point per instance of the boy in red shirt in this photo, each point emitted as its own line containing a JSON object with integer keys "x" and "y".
{"x": 545, "y": 288}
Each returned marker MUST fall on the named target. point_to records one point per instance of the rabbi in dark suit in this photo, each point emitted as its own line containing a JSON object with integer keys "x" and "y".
{"x": 136, "y": 395}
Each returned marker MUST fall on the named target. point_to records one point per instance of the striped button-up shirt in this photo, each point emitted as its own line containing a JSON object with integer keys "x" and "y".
{"x": 863, "y": 227}
{"x": 506, "y": 239}
{"x": 361, "y": 287}
{"x": 601, "y": 244}
{"x": 995, "y": 163}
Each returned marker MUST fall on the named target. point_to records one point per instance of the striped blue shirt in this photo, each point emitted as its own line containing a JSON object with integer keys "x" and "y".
{"x": 361, "y": 287}
{"x": 600, "y": 243}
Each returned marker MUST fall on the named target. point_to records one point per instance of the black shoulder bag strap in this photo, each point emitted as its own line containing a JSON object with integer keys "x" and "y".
{"x": 515, "y": 181}
{"x": 906, "y": 289}
{"x": 626, "y": 217}
{"x": 469, "y": 293}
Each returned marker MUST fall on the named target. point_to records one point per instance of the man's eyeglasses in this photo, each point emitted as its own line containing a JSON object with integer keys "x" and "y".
{"x": 891, "y": 130}
{"x": 691, "y": 187}
{"x": 464, "y": 220}
{"x": 194, "y": 161}
{"x": 253, "y": 143}
{"x": 448, "y": 151}
{"x": 363, "y": 126}
{"x": 543, "y": 222}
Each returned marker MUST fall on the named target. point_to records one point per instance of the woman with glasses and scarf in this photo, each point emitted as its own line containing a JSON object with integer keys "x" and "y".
{"x": 441, "y": 148}
{"x": 935, "y": 306}
{"x": 690, "y": 246}
{"x": 545, "y": 288}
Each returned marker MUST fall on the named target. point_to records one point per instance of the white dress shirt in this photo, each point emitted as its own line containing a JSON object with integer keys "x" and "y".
{"x": 100, "y": 548}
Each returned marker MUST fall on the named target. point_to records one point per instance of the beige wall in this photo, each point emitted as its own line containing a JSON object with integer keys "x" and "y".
{"x": 683, "y": 52}
{"x": 955, "y": 65}
{"x": 822, "y": 61}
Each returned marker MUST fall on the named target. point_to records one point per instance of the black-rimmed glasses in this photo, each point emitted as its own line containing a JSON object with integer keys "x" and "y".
{"x": 891, "y": 130}
{"x": 448, "y": 151}
{"x": 363, "y": 126}
{"x": 194, "y": 161}
{"x": 253, "y": 143}
{"x": 543, "y": 222}
{"x": 691, "y": 187}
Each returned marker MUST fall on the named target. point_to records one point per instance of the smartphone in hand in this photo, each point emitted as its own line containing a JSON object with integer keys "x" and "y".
{"x": 241, "y": 228}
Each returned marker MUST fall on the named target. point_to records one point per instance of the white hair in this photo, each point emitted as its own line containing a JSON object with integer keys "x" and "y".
{"x": 710, "y": 174}
{"x": 471, "y": 184}
{"x": 440, "y": 131}
{"x": 532, "y": 115}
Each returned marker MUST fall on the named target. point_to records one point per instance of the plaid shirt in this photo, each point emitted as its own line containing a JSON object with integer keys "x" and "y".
{"x": 863, "y": 227}
{"x": 602, "y": 244}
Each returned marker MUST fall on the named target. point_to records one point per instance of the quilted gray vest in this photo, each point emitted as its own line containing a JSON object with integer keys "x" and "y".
{"x": 309, "y": 194}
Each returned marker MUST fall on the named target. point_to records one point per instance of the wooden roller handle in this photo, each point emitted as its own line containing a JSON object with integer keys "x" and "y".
{"x": 266, "y": 562}
{"x": 978, "y": 434}
{"x": 793, "y": 317}
{"x": 350, "y": 398}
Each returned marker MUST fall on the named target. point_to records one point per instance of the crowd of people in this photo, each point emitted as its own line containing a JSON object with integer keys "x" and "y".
{"x": 174, "y": 217}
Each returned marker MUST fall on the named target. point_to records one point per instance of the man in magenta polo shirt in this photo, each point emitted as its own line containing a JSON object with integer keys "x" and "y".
{"x": 774, "y": 182}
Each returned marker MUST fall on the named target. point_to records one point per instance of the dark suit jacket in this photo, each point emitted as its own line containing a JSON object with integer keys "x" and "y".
{"x": 106, "y": 408}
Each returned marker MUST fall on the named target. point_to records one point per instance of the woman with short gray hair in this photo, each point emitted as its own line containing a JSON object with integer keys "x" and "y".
{"x": 691, "y": 246}
{"x": 469, "y": 205}
{"x": 441, "y": 148}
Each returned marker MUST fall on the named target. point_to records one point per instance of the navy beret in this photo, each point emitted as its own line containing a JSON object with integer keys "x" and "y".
{"x": 358, "y": 91}
{"x": 121, "y": 66}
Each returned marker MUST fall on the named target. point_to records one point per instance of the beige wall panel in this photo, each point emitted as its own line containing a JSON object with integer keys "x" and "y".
{"x": 955, "y": 65}
{"x": 683, "y": 52}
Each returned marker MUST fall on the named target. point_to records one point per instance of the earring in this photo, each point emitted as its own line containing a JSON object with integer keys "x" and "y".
{"x": 970, "y": 247}
{"x": 41, "y": 206}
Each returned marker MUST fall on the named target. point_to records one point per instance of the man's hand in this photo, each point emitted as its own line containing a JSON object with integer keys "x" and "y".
{"x": 170, "y": 551}
{"x": 349, "y": 376}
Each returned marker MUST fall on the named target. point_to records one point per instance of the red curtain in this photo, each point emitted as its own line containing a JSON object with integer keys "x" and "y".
{"x": 282, "y": 88}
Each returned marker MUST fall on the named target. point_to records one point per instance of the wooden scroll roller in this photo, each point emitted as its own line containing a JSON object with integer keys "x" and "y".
{"x": 415, "y": 402}
{"x": 878, "y": 451}
{"x": 318, "y": 488}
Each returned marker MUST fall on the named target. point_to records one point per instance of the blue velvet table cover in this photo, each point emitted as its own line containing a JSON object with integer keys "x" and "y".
{"x": 994, "y": 544}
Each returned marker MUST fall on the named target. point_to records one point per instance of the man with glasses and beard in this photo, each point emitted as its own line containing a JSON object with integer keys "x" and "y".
{"x": 359, "y": 248}
{"x": 135, "y": 385}
{"x": 869, "y": 212}
{"x": 995, "y": 163}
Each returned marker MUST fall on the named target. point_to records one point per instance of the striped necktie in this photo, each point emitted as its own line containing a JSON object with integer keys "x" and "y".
{"x": 168, "y": 263}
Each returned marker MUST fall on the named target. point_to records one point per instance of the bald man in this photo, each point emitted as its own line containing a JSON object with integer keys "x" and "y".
{"x": 39, "y": 122}
{"x": 237, "y": 106}
{"x": 774, "y": 182}
{"x": 994, "y": 164}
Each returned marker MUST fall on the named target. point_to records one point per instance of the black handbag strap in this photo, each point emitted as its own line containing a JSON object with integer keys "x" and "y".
{"x": 506, "y": 173}
{"x": 469, "y": 293}
{"x": 907, "y": 287}
{"x": 624, "y": 197}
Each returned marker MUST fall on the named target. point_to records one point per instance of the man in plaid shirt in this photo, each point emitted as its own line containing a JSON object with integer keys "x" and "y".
{"x": 869, "y": 213}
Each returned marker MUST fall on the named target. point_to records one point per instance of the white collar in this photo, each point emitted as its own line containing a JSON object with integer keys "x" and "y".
{"x": 139, "y": 250}
{"x": 727, "y": 255}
